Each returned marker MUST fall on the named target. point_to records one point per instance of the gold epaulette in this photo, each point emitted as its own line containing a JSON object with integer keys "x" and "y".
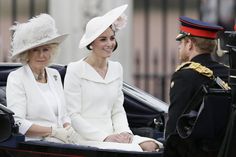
{"x": 196, "y": 67}
{"x": 182, "y": 65}
{"x": 201, "y": 69}
{"x": 204, "y": 71}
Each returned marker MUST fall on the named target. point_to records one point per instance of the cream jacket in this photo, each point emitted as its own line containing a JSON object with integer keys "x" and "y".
{"x": 28, "y": 103}
{"x": 95, "y": 105}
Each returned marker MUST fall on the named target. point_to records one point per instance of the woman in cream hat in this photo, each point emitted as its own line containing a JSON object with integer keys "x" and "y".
{"x": 34, "y": 92}
{"x": 93, "y": 90}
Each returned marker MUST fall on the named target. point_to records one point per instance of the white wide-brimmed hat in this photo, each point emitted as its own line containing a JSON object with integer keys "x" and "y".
{"x": 96, "y": 26}
{"x": 38, "y": 31}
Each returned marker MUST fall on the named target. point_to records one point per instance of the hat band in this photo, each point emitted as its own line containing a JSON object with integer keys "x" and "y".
{"x": 200, "y": 33}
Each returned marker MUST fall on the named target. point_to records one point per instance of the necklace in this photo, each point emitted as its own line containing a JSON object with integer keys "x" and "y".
{"x": 40, "y": 77}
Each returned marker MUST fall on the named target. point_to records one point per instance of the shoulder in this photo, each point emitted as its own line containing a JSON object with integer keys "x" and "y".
{"x": 115, "y": 65}
{"x": 185, "y": 75}
{"x": 52, "y": 70}
{"x": 195, "y": 67}
{"x": 16, "y": 77}
{"x": 75, "y": 70}
{"x": 183, "y": 70}
{"x": 75, "y": 65}
{"x": 181, "y": 66}
{"x": 16, "y": 73}
{"x": 115, "y": 68}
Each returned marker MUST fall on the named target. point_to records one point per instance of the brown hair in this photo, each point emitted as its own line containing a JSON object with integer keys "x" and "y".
{"x": 89, "y": 45}
{"x": 204, "y": 45}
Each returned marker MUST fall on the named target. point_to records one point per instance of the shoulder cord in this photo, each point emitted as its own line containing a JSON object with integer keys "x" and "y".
{"x": 203, "y": 71}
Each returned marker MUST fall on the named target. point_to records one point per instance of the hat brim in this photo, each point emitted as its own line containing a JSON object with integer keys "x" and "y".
{"x": 55, "y": 40}
{"x": 182, "y": 35}
{"x": 179, "y": 37}
{"x": 108, "y": 19}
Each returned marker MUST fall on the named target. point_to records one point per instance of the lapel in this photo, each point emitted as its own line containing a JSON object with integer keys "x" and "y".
{"x": 54, "y": 85}
{"x": 89, "y": 73}
{"x": 31, "y": 83}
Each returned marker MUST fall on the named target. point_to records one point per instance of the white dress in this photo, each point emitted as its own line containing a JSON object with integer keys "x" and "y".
{"x": 95, "y": 105}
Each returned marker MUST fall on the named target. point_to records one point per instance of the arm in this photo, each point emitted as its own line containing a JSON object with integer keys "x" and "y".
{"x": 17, "y": 102}
{"x": 119, "y": 117}
{"x": 182, "y": 90}
{"x": 37, "y": 130}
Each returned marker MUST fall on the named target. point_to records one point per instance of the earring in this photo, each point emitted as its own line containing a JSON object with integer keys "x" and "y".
{"x": 90, "y": 47}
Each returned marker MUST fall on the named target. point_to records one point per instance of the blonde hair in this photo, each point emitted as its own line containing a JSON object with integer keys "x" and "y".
{"x": 24, "y": 57}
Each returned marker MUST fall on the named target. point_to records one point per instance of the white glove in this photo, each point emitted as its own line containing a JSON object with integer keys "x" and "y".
{"x": 60, "y": 133}
{"x": 67, "y": 134}
{"x": 72, "y": 135}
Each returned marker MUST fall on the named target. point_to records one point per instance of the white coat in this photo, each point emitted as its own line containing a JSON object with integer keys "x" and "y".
{"x": 26, "y": 100}
{"x": 95, "y": 105}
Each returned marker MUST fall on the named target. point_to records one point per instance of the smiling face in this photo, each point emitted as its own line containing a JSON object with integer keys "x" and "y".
{"x": 39, "y": 57}
{"x": 104, "y": 45}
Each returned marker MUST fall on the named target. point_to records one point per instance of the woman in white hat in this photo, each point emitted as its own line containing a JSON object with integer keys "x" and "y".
{"x": 34, "y": 92}
{"x": 93, "y": 90}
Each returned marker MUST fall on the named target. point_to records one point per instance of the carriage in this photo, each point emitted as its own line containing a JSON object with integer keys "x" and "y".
{"x": 146, "y": 116}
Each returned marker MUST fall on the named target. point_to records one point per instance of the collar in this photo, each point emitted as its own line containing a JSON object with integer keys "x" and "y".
{"x": 205, "y": 57}
{"x": 89, "y": 73}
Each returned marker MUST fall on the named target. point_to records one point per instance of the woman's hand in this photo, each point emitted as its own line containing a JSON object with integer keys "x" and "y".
{"x": 67, "y": 134}
{"x": 66, "y": 125}
{"x": 120, "y": 138}
{"x": 128, "y": 138}
{"x": 149, "y": 146}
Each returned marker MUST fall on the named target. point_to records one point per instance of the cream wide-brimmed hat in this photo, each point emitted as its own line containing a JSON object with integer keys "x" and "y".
{"x": 38, "y": 31}
{"x": 97, "y": 25}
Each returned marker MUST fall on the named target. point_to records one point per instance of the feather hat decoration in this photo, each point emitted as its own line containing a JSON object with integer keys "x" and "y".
{"x": 38, "y": 31}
